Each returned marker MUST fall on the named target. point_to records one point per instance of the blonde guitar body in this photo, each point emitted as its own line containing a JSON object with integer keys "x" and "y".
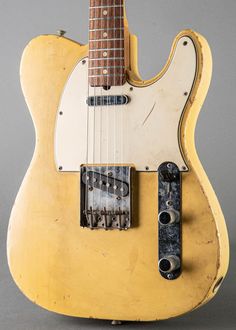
{"x": 110, "y": 274}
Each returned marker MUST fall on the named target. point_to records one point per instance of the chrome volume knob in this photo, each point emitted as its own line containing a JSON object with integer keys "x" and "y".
{"x": 169, "y": 264}
{"x": 168, "y": 217}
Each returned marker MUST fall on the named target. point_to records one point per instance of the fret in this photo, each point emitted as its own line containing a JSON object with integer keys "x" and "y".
{"x": 96, "y": 35}
{"x": 115, "y": 6}
{"x": 107, "y": 76}
{"x": 112, "y": 12}
{"x": 102, "y": 24}
{"x": 106, "y": 40}
{"x": 106, "y": 58}
{"x": 93, "y": 74}
{"x": 102, "y": 49}
{"x": 106, "y": 67}
{"x": 94, "y": 3}
{"x": 106, "y": 18}
{"x": 107, "y": 81}
{"x": 106, "y": 45}
{"x": 107, "y": 54}
{"x": 106, "y": 29}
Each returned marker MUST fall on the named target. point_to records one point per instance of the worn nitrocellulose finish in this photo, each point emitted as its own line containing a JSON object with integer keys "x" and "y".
{"x": 68, "y": 269}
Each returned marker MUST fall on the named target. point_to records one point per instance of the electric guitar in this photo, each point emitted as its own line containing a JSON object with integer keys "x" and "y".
{"x": 116, "y": 218}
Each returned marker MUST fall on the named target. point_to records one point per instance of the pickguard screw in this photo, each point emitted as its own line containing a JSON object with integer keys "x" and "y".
{"x": 131, "y": 89}
{"x": 184, "y": 168}
{"x": 185, "y": 43}
{"x": 60, "y": 168}
{"x": 147, "y": 168}
{"x": 186, "y": 94}
{"x": 60, "y": 113}
{"x": 84, "y": 62}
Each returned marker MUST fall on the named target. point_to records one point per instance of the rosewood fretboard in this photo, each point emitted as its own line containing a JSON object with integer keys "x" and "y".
{"x": 106, "y": 43}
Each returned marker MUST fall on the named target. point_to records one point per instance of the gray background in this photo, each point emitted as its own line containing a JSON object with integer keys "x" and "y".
{"x": 156, "y": 22}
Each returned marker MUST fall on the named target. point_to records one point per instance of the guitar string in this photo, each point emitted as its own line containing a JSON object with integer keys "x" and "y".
{"x": 101, "y": 127}
{"x": 100, "y": 211}
{"x": 122, "y": 36}
{"x": 107, "y": 119}
{"x": 88, "y": 113}
{"x": 121, "y": 45}
{"x": 94, "y": 130}
{"x": 121, "y": 41}
{"x": 114, "y": 108}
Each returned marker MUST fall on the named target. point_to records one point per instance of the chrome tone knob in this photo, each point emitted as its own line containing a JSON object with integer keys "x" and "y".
{"x": 169, "y": 264}
{"x": 168, "y": 217}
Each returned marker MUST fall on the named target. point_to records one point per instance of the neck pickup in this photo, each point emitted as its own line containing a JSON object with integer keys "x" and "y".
{"x": 107, "y": 100}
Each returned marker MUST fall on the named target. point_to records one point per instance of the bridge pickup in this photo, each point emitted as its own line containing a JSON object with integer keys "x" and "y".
{"x": 106, "y": 197}
{"x": 106, "y": 183}
{"x": 107, "y": 100}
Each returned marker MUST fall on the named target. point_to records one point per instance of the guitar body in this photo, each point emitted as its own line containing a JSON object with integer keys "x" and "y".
{"x": 110, "y": 274}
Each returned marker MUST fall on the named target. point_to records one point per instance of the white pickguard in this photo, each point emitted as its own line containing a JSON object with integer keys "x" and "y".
{"x": 145, "y": 132}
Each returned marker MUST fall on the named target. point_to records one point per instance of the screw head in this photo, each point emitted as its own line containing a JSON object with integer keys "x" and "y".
{"x": 60, "y": 168}
{"x": 61, "y": 33}
{"x": 169, "y": 203}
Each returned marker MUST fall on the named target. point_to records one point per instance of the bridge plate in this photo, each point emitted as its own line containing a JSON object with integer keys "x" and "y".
{"x": 106, "y": 197}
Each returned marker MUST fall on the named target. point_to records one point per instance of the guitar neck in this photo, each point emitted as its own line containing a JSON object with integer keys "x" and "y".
{"x": 106, "y": 43}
